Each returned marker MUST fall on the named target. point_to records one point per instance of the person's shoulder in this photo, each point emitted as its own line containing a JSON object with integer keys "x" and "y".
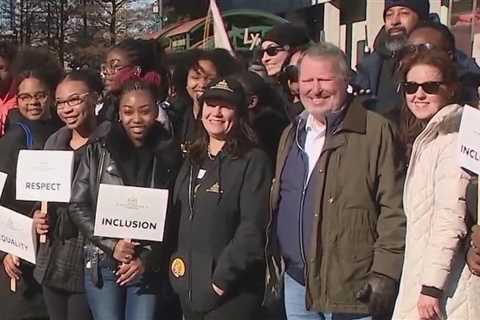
{"x": 466, "y": 63}
{"x": 450, "y": 122}
{"x": 370, "y": 59}
{"x": 59, "y": 139}
{"x": 14, "y": 134}
{"x": 100, "y": 132}
{"x": 257, "y": 155}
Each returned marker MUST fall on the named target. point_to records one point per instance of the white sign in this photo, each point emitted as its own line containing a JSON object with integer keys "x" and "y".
{"x": 17, "y": 235}
{"x": 44, "y": 175}
{"x": 3, "y": 179}
{"x": 469, "y": 140}
{"x": 131, "y": 212}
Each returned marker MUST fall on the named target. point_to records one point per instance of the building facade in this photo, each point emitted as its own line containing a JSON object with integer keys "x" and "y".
{"x": 351, "y": 24}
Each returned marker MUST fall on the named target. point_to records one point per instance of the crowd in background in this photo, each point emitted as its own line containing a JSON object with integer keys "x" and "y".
{"x": 298, "y": 188}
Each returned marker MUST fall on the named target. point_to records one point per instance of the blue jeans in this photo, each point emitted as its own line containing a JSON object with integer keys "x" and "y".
{"x": 295, "y": 305}
{"x": 114, "y": 302}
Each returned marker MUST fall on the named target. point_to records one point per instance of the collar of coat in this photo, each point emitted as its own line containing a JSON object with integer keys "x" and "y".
{"x": 352, "y": 118}
{"x": 447, "y": 119}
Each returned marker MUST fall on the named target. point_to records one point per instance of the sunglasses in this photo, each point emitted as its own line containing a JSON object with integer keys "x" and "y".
{"x": 271, "y": 51}
{"x": 430, "y": 87}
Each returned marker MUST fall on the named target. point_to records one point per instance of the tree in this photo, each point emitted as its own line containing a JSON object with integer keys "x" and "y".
{"x": 112, "y": 9}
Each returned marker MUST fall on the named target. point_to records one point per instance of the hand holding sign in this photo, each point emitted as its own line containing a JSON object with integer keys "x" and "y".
{"x": 129, "y": 271}
{"x": 124, "y": 250}
{"x": 44, "y": 176}
{"x": 12, "y": 266}
{"x": 40, "y": 221}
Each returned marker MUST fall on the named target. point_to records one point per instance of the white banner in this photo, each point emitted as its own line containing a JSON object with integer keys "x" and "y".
{"x": 17, "y": 236}
{"x": 44, "y": 175}
{"x": 220, "y": 34}
{"x": 131, "y": 212}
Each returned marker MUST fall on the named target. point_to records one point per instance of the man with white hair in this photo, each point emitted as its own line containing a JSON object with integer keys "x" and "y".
{"x": 336, "y": 233}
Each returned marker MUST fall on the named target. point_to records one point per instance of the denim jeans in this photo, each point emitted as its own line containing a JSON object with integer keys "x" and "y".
{"x": 114, "y": 302}
{"x": 295, "y": 305}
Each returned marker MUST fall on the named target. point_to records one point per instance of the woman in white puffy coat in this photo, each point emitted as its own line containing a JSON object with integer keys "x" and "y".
{"x": 436, "y": 283}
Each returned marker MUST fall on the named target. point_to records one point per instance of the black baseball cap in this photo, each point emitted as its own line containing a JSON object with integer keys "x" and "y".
{"x": 227, "y": 90}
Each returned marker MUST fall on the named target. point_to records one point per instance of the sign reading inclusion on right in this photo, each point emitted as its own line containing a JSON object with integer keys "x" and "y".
{"x": 131, "y": 212}
{"x": 469, "y": 140}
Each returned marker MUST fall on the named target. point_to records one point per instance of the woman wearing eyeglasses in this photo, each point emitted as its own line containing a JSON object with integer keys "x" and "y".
{"x": 59, "y": 267}
{"x": 29, "y": 127}
{"x": 133, "y": 59}
{"x": 436, "y": 283}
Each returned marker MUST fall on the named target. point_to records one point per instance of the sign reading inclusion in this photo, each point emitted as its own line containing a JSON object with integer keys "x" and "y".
{"x": 135, "y": 224}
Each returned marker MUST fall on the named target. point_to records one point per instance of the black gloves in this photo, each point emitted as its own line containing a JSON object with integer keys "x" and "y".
{"x": 379, "y": 292}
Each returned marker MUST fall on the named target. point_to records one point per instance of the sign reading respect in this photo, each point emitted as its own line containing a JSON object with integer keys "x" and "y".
{"x": 17, "y": 236}
{"x": 131, "y": 212}
{"x": 44, "y": 175}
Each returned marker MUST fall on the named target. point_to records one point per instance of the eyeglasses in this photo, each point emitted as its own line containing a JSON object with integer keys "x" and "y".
{"x": 28, "y": 98}
{"x": 111, "y": 68}
{"x": 73, "y": 101}
{"x": 413, "y": 49}
{"x": 271, "y": 51}
{"x": 430, "y": 87}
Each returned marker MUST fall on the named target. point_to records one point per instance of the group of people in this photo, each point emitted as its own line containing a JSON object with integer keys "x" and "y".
{"x": 298, "y": 189}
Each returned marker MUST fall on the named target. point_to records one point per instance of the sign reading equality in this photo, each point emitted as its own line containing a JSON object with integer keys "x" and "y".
{"x": 17, "y": 236}
{"x": 44, "y": 175}
{"x": 469, "y": 140}
{"x": 131, "y": 212}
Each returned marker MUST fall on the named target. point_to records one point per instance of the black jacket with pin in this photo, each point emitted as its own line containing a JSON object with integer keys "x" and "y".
{"x": 107, "y": 160}
{"x": 221, "y": 234}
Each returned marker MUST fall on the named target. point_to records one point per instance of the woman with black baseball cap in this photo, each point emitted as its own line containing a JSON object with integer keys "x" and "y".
{"x": 221, "y": 197}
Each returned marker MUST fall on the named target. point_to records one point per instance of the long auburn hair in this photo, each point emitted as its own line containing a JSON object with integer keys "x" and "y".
{"x": 410, "y": 127}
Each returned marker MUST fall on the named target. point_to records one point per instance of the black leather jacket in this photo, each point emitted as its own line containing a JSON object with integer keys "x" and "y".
{"x": 98, "y": 166}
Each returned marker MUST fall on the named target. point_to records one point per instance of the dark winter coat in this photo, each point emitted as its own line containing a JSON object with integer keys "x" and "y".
{"x": 221, "y": 235}
{"x": 368, "y": 77}
{"x": 27, "y": 301}
{"x": 359, "y": 224}
{"x": 104, "y": 162}
{"x": 60, "y": 259}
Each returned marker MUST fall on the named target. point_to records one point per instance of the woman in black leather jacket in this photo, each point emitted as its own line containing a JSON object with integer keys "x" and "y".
{"x": 120, "y": 276}
{"x": 59, "y": 267}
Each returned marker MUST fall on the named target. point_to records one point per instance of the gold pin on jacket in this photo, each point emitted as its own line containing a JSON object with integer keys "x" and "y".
{"x": 178, "y": 268}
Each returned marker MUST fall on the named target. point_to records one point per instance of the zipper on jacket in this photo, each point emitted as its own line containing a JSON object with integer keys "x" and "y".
{"x": 100, "y": 168}
{"x": 190, "y": 218}
{"x": 302, "y": 199}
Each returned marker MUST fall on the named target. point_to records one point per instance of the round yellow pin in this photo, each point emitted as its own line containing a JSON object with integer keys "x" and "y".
{"x": 178, "y": 268}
